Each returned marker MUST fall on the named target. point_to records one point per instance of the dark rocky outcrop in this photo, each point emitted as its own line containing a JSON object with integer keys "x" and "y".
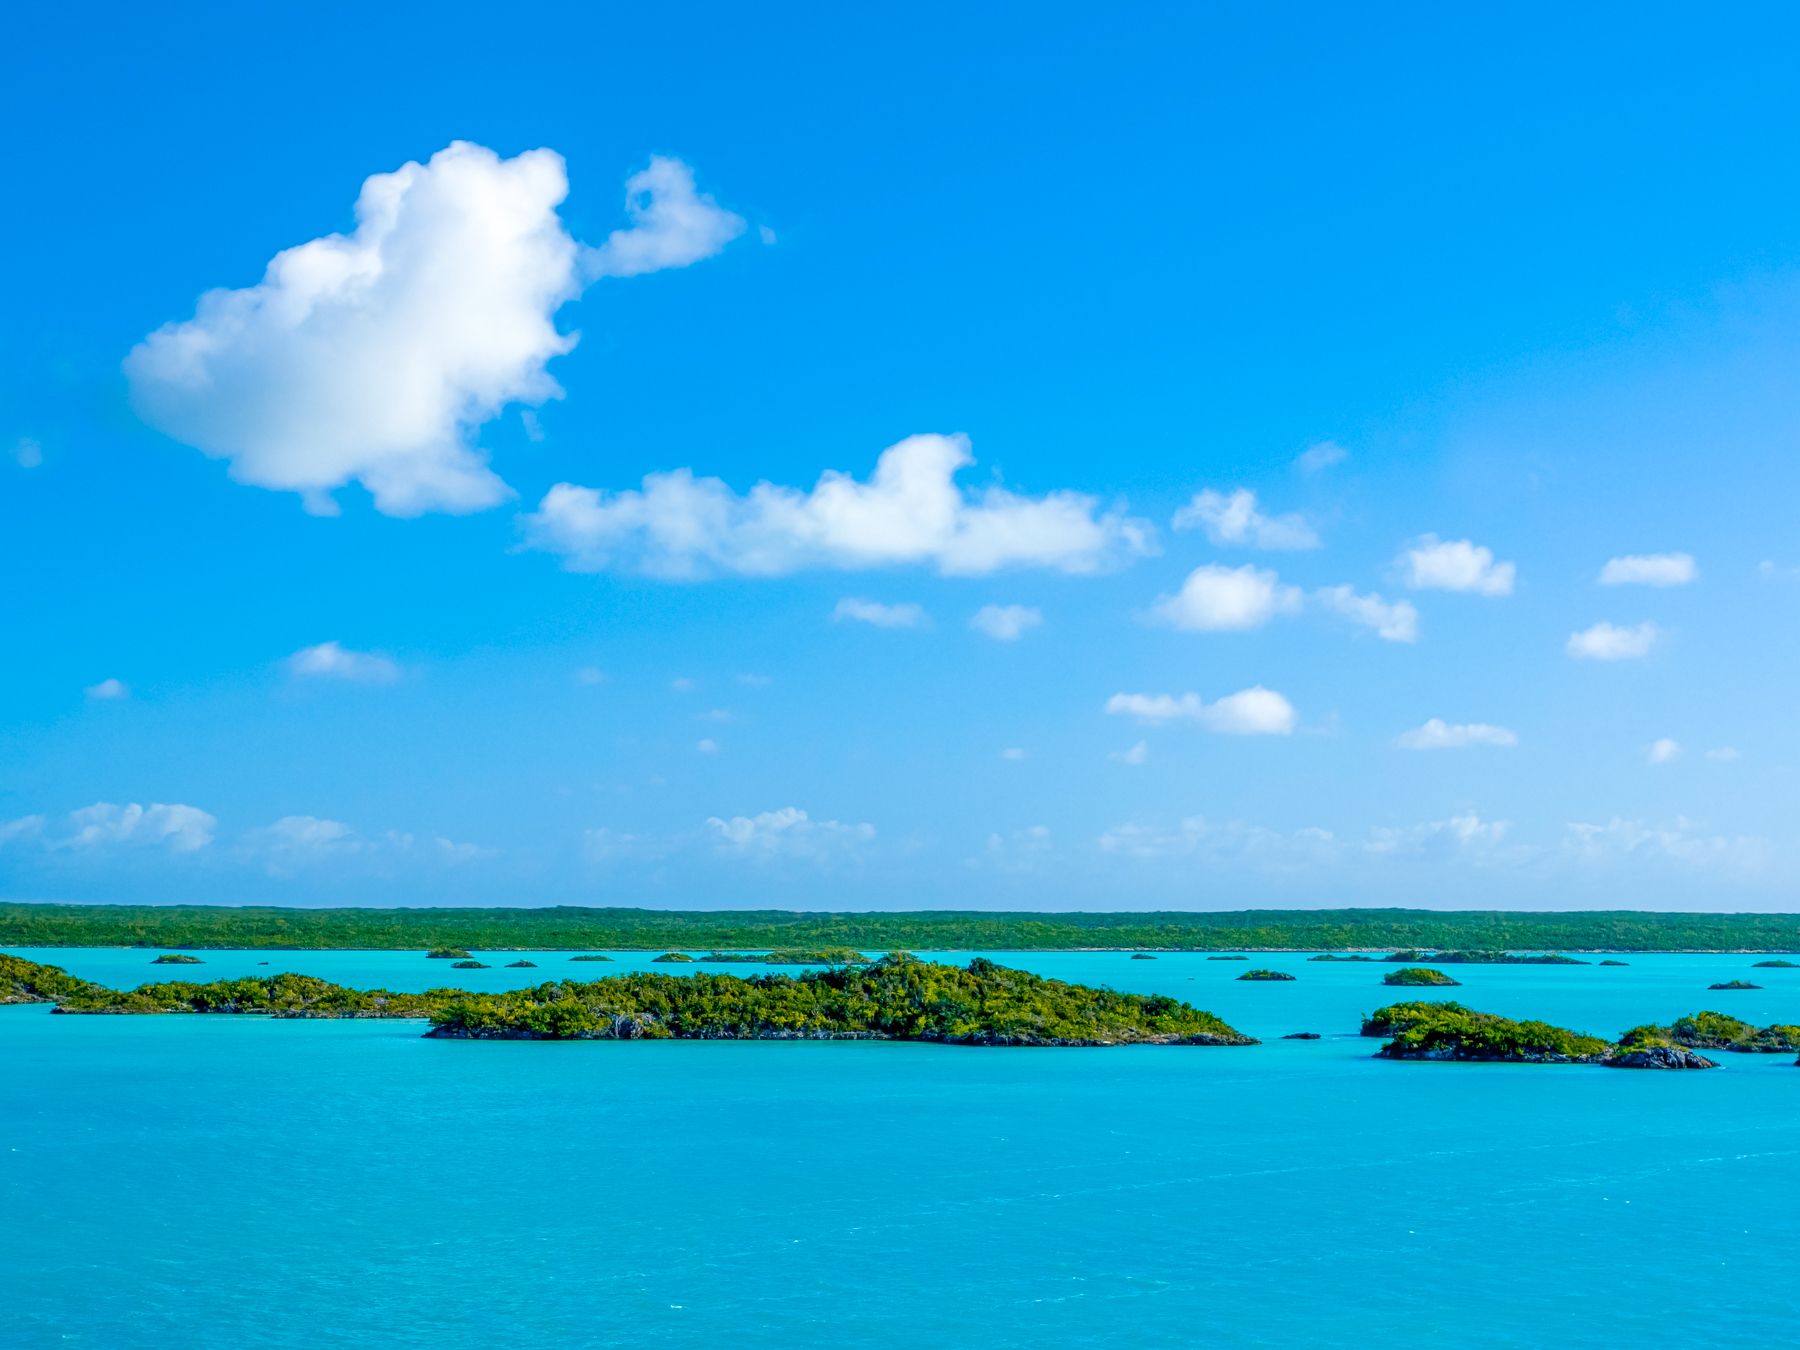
{"x": 1266, "y": 975}
{"x": 177, "y": 959}
{"x": 1301, "y": 1036}
{"x": 1658, "y": 1057}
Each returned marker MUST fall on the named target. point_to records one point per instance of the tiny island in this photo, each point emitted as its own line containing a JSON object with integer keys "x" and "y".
{"x": 1419, "y": 975}
{"x": 1266, "y": 975}
{"x": 177, "y": 959}
{"x": 1734, "y": 984}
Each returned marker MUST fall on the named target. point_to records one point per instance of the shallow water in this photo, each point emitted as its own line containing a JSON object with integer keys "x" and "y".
{"x": 210, "y": 1181}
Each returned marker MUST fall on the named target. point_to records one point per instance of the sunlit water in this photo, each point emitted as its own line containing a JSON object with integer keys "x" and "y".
{"x": 222, "y": 1182}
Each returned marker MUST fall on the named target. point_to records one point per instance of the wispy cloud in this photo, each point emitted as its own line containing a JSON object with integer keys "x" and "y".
{"x": 1249, "y": 712}
{"x": 880, "y": 615}
{"x": 333, "y": 661}
{"x": 1233, "y": 519}
{"x": 1437, "y": 734}
{"x": 1650, "y": 569}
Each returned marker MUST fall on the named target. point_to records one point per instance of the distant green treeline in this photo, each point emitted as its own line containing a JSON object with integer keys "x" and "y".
{"x": 177, "y": 926}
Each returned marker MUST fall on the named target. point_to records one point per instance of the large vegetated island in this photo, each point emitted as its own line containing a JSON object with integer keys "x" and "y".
{"x": 580, "y": 929}
{"x": 897, "y": 998}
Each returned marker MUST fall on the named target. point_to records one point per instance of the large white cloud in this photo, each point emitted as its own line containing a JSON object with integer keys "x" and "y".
{"x": 1433, "y": 564}
{"x": 1234, "y": 519}
{"x": 910, "y": 510}
{"x": 373, "y": 356}
{"x": 1225, "y": 599}
{"x": 1255, "y": 711}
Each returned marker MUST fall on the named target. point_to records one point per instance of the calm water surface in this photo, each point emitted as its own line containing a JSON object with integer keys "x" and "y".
{"x": 216, "y": 1182}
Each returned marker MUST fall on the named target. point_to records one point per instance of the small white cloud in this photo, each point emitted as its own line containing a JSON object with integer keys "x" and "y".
{"x": 375, "y": 356}
{"x": 1649, "y": 569}
{"x": 681, "y": 684}
{"x": 1012, "y": 752}
{"x": 332, "y": 661}
{"x": 1610, "y": 642}
{"x": 715, "y": 715}
{"x": 588, "y": 676}
{"x": 27, "y": 453}
{"x": 1135, "y": 756}
{"x": 878, "y": 614}
{"x": 183, "y": 829}
{"x": 1770, "y": 570}
{"x": 1232, "y": 519}
{"x": 1438, "y": 734}
{"x": 910, "y": 511}
{"x": 1226, "y": 599}
{"x": 789, "y": 832}
{"x": 754, "y": 681}
{"x": 1006, "y": 623}
{"x": 672, "y": 225}
{"x": 1321, "y": 456}
{"x": 1664, "y": 751}
{"x": 109, "y": 689}
{"x": 1392, "y": 621}
{"x": 1433, "y": 564}
{"x": 1249, "y": 712}
{"x": 707, "y": 746}
{"x": 1724, "y": 754}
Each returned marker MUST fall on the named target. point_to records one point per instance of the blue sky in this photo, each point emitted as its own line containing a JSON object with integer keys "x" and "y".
{"x": 1265, "y": 400}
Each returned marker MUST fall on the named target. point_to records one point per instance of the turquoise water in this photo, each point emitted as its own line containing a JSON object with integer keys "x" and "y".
{"x": 216, "y": 1181}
